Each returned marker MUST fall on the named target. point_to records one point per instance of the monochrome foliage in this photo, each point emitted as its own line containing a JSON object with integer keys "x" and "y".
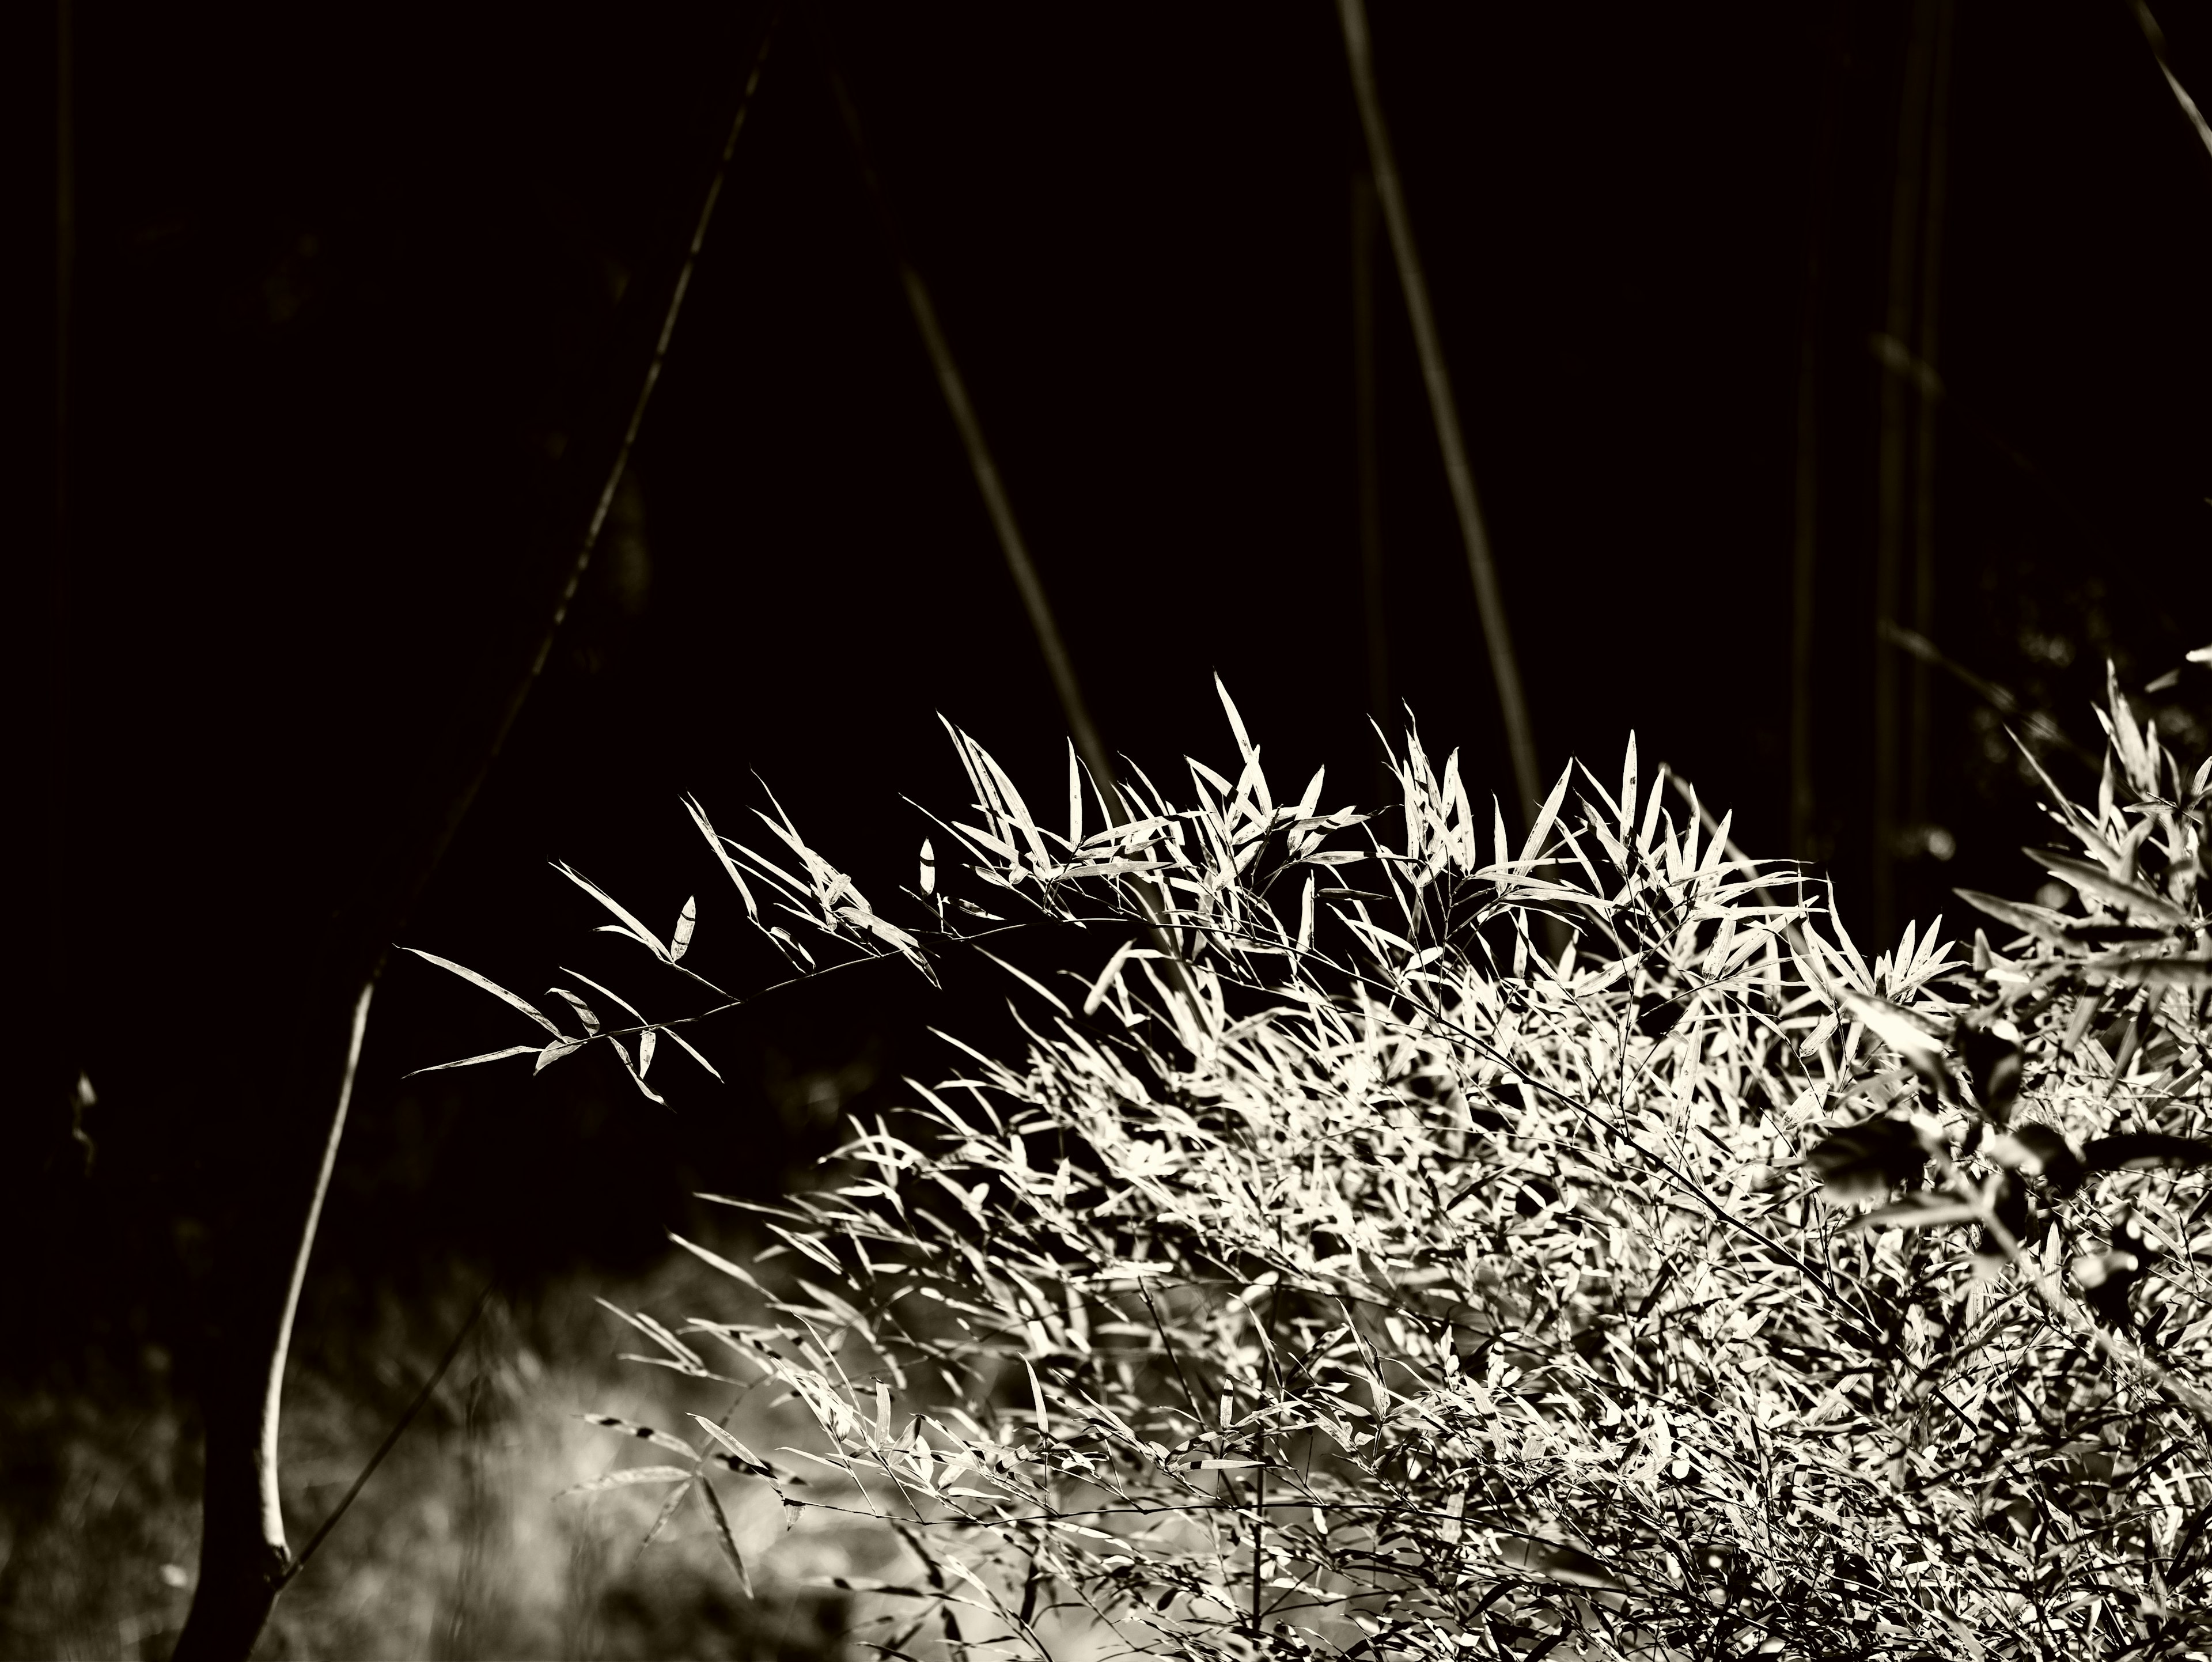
{"x": 1445, "y": 1243}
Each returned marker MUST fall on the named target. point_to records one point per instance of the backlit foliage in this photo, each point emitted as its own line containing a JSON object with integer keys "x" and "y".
{"x": 1415, "y": 1240}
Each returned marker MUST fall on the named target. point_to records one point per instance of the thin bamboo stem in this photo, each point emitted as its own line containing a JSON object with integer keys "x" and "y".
{"x": 245, "y": 1557}
{"x": 1513, "y": 706}
{"x": 1804, "y": 565}
{"x": 57, "y": 1069}
{"x": 1058, "y": 663}
{"x": 1030, "y": 586}
{"x": 1925, "y": 417}
{"x": 1906, "y": 194}
{"x": 2155, "y": 38}
{"x": 1367, "y": 460}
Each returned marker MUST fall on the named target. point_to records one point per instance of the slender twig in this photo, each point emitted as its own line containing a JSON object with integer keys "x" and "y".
{"x": 1513, "y": 705}
{"x": 392, "y": 1437}
{"x": 245, "y": 1561}
{"x": 1168, "y": 1344}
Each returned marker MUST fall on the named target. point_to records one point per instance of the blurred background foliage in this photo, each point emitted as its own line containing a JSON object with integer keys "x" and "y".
{"x": 343, "y": 284}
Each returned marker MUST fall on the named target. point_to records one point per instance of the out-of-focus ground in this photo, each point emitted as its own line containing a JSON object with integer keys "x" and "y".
{"x": 463, "y": 1544}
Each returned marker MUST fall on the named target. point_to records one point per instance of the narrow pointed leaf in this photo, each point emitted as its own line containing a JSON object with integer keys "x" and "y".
{"x": 633, "y": 1475}
{"x": 2103, "y": 885}
{"x": 470, "y": 1062}
{"x": 628, "y": 919}
{"x": 489, "y": 985}
{"x": 725, "y": 1538}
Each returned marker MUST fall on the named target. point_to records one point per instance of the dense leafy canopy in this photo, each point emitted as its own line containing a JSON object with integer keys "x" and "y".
{"x": 1451, "y": 1244}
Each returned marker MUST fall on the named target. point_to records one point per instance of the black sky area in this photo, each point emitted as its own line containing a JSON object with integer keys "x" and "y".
{"x": 346, "y": 280}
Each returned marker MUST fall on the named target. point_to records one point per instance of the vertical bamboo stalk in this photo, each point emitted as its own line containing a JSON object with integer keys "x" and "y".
{"x": 1058, "y": 663}
{"x": 1891, "y": 504}
{"x": 1803, "y": 577}
{"x": 1919, "y": 757}
{"x": 1367, "y": 460}
{"x": 1039, "y": 605}
{"x": 56, "y": 1064}
{"x": 1804, "y": 565}
{"x": 1513, "y": 707}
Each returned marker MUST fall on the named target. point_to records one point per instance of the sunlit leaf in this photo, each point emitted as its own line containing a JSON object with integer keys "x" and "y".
{"x": 2101, "y": 885}
{"x": 628, "y": 921}
{"x": 726, "y": 1538}
{"x": 470, "y": 1062}
{"x": 553, "y": 1052}
{"x": 1907, "y": 1030}
{"x": 489, "y": 986}
{"x": 2038, "y": 921}
{"x": 644, "y": 1433}
{"x": 630, "y": 1476}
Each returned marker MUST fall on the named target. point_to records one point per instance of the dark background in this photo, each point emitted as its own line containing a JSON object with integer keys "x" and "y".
{"x": 346, "y": 278}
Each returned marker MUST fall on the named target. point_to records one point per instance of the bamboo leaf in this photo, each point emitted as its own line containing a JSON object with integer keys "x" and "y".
{"x": 1542, "y": 829}
{"x": 1106, "y": 976}
{"x": 1029, "y": 980}
{"x": 2103, "y": 885}
{"x": 470, "y": 1062}
{"x": 716, "y": 1260}
{"x": 584, "y": 1013}
{"x": 628, "y": 920}
{"x": 661, "y": 1440}
{"x": 714, "y": 841}
{"x": 726, "y": 1538}
{"x": 553, "y": 1052}
{"x": 632, "y": 1474}
{"x": 1236, "y": 723}
{"x": 1906, "y": 1030}
{"x": 489, "y": 986}
{"x": 686, "y": 921}
{"x": 2037, "y": 921}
